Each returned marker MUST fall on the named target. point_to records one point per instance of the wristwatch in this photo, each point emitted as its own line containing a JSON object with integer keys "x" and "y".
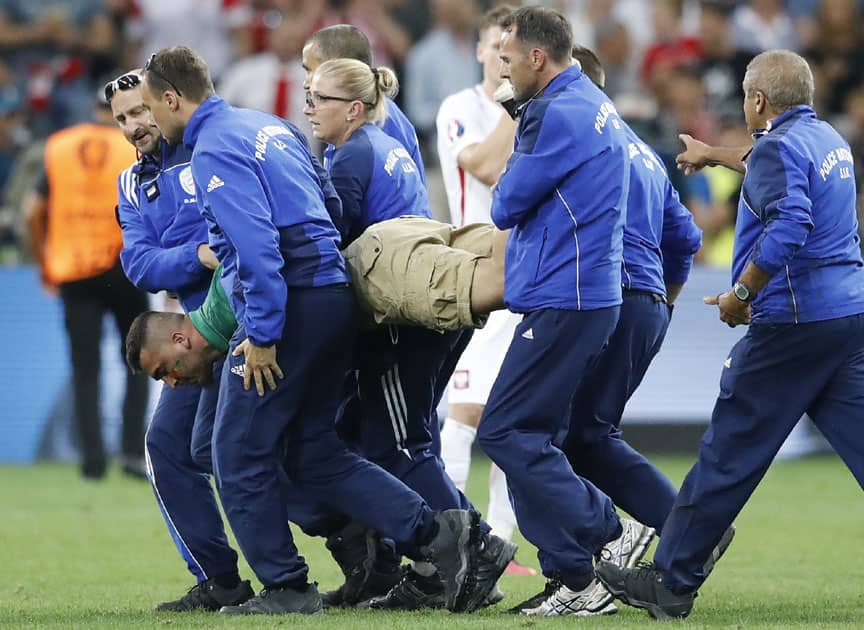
{"x": 743, "y": 292}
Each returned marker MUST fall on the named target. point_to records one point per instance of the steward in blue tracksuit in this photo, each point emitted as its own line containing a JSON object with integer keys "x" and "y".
{"x": 399, "y": 368}
{"x": 804, "y": 350}
{"x": 564, "y": 194}
{"x": 660, "y": 239}
{"x": 396, "y": 125}
{"x": 263, "y": 198}
{"x": 162, "y": 230}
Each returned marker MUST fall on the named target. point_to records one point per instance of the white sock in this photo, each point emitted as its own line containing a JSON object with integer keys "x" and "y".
{"x": 456, "y": 441}
{"x": 425, "y": 569}
{"x": 500, "y": 514}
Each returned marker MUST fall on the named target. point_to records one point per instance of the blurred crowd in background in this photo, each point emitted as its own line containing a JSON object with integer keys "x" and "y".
{"x": 672, "y": 66}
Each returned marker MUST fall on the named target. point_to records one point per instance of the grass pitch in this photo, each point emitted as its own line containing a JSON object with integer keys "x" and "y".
{"x": 81, "y": 555}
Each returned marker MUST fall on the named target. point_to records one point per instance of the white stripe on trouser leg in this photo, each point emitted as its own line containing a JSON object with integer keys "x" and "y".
{"x": 389, "y": 398}
{"x": 185, "y": 552}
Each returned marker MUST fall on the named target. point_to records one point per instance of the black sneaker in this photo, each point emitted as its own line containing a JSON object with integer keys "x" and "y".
{"x": 535, "y": 600}
{"x": 370, "y": 568}
{"x": 455, "y": 552}
{"x": 279, "y": 601}
{"x": 209, "y": 596}
{"x": 642, "y": 587}
{"x": 495, "y": 554}
{"x": 413, "y": 592}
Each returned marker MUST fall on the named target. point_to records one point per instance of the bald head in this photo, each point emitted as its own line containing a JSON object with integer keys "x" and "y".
{"x": 784, "y": 78}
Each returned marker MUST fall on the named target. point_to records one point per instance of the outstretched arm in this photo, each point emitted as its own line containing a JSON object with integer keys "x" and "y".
{"x": 697, "y": 155}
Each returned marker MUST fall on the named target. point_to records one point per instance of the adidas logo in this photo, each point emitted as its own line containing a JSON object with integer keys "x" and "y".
{"x": 528, "y": 334}
{"x": 728, "y": 362}
{"x": 239, "y": 370}
{"x": 214, "y": 183}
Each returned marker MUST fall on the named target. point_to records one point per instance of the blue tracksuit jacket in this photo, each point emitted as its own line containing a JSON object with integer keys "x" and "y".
{"x": 259, "y": 190}
{"x": 397, "y": 126}
{"x": 797, "y": 222}
{"x": 162, "y": 227}
{"x": 660, "y": 236}
{"x": 564, "y": 193}
{"x": 376, "y": 180}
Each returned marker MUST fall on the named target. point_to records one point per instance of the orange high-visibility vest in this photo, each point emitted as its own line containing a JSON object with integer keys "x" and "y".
{"x": 82, "y": 163}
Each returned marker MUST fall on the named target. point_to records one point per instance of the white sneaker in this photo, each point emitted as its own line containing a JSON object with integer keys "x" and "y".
{"x": 591, "y": 601}
{"x": 628, "y": 549}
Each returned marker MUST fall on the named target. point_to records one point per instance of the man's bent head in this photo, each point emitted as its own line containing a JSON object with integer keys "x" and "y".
{"x": 169, "y": 349}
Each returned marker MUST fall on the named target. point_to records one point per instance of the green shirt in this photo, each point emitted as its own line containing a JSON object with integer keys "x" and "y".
{"x": 214, "y": 319}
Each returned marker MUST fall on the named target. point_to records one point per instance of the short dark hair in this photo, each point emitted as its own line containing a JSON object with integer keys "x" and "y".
{"x": 493, "y": 17}
{"x": 179, "y": 68}
{"x": 136, "y": 339}
{"x": 544, "y": 28}
{"x": 342, "y": 41}
{"x": 140, "y": 332}
{"x": 591, "y": 65}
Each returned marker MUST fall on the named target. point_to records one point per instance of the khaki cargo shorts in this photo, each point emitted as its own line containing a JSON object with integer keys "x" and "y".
{"x": 417, "y": 271}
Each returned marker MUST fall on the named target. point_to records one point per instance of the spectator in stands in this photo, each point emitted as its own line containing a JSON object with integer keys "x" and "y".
{"x": 837, "y": 50}
{"x": 51, "y": 47}
{"x": 614, "y": 50}
{"x": 219, "y": 29}
{"x": 763, "y": 25}
{"x": 273, "y": 80}
{"x": 441, "y": 63}
{"x": 671, "y": 48}
{"x": 722, "y": 66}
{"x": 76, "y": 242}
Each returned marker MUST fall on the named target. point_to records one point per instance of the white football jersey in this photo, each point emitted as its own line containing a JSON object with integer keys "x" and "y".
{"x": 465, "y": 118}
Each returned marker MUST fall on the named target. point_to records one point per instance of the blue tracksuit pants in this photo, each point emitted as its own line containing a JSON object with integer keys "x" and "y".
{"x": 181, "y": 482}
{"x": 566, "y": 517}
{"x": 594, "y": 444}
{"x": 286, "y": 439}
{"x": 773, "y": 375}
{"x": 400, "y": 371}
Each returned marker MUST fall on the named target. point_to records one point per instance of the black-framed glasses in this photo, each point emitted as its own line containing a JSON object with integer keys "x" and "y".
{"x": 314, "y": 99}
{"x": 150, "y": 67}
{"x": 121, "y": 83}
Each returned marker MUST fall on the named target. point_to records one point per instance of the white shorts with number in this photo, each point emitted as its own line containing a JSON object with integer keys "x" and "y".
{"x": 478, "y": 366}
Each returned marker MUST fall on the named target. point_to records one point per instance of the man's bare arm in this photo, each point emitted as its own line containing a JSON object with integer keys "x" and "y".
{"x": 485, "y": 160}
{"x": 697, "y": 155}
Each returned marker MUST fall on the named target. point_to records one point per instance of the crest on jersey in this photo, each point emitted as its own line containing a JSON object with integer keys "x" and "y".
{"x": 455, "y": 130}
{"x": 186, "y": 181}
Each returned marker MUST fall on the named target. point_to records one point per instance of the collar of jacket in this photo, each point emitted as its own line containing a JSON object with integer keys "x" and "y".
{"x": 792, "y": 112}
{"x": 199, "y": 118}
{"x": 149, "y": 165}
{"x": 555, "y": 85}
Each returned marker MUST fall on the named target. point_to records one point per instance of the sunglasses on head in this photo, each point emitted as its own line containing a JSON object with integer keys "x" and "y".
{"x": 121, "y": 83}
{"x": 150, "y": 66}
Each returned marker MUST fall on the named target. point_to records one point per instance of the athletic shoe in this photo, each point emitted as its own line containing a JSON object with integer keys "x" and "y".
{"x": 514, "y": 568}
{"x": 370, "y": 568}
{"x": 209, "y": 596}
{"x": 455, "y": 553}
{"x": 593, "y": 600}
{"x": 538, "y": 598}
{"x": 642, "y": 586}
{"x": 413, "y": 592}
{"x": 495, "y": 554}
{"x": 628, "y": 549}
{"x": 279, "y": 601}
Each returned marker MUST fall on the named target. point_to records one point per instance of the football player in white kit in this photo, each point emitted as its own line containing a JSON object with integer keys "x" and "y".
{"x": 475, "y": 138}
